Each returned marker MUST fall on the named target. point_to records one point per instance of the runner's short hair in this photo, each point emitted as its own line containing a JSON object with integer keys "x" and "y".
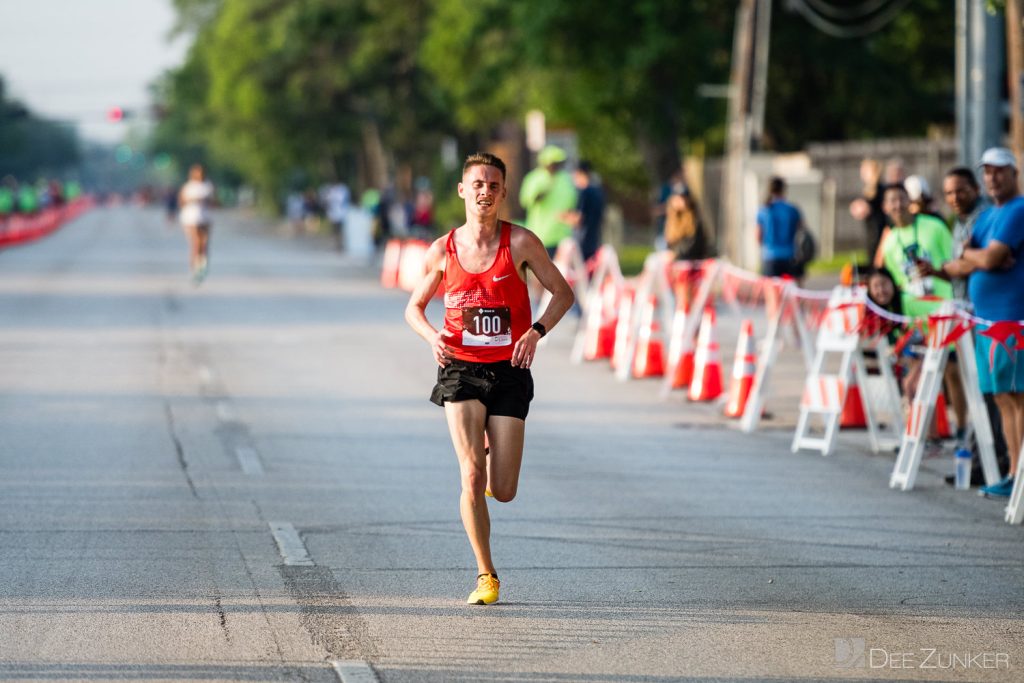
{"x": 484, "y": 159}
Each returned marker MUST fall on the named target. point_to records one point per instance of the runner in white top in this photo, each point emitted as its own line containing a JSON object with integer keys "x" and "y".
{"x": 195, "y": 199}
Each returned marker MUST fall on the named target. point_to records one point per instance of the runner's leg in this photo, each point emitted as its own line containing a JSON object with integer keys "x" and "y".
{"x": 466, "y": 420}
{"x": 203, "y": 243}
{"x": 193, "y": 246}
{"x": 506, "y": 438}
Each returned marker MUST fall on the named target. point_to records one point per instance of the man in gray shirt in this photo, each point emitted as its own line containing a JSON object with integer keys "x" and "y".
{"x": 963, "y": 195}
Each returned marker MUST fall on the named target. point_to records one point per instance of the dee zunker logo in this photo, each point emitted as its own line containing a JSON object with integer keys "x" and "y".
{"x": 853, "y": 653}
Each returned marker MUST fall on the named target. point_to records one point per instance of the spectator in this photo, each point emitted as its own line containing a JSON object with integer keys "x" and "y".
{"x": 589, "y": 213}
{"x": 995, "y": 263}
{"x": 7, "y": 197}
{"x": 548, "y": 195}
{"x": 423, "y": 209}
{"x": 675, "y": 185}
{"x": 921, "y": 199}
{"x": 337, "y": 199}
{"x": 868, "y": 207}
{"x": 777, "y": 225}
{"x": 962, "y": 194}
{"x": 684, "y": 228}
{"x": 912, "y": 250}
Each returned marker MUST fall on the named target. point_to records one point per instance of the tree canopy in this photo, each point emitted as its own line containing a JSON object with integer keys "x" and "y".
{"x": 322, "y": 89}
{"x": 31, "y": 146}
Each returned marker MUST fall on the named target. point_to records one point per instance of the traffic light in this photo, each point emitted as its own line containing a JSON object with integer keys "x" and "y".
{"x": 115, "y": 114}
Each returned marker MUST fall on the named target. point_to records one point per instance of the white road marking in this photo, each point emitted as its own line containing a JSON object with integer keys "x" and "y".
{"x": 224, "y": 412}
{"x": 292, "y": 549}
{"x": 354, "y": 671}
{"x": 249, "y": 459}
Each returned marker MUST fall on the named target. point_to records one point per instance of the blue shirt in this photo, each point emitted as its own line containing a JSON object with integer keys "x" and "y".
{"x": 778, "y": 221}
{"x": 999, "y": 294}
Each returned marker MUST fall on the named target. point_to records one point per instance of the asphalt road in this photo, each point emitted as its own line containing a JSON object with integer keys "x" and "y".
{"x": 245, "y": 481}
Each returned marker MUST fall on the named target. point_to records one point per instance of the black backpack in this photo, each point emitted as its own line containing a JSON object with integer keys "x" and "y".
{"x": 805, "y": 247}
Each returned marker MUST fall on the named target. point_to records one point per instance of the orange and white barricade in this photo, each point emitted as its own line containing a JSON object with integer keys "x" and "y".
{"x": 569, "y": 261}
{"x": 389, "y": 265}
{"x": 707, "y": 366}
{"x": 652, "y": 282}
{"x": 412, "y": 264}
{"x": 649, "y": 360}
{"x": 744, "y": 365}
{"x": 825, "y": 393}
{"x": 684, "y": 325}
{"x": 922, "y": 409}
{"x": 1015, "y": 508}
{"x": 785, "y": 313}
{"x": 595, "y": 335}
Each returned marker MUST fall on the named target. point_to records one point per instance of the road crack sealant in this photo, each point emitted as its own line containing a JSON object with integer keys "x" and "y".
{"x": 327, "y": 613}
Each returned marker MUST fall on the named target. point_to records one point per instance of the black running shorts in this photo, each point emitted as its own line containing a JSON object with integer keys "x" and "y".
{"x": 503, "y": 389}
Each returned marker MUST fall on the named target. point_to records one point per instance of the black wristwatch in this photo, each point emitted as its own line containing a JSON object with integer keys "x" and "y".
{"x": 540, "y": 329}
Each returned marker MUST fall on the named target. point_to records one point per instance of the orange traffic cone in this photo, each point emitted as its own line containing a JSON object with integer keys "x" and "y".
{"x": 679, "y": 347}
{"x": 649, "y": 360}
{"x": 707, "y": 371}
{"x": 602, "y": 315}
{"x": 743, "y": 367}
{"x": 412, "y": 264}
{"x": 941, "y": 422}
{"x": 622, "y": 332}
{"x": 389, "y": 267}
{"x": 853, "y": 416}
{"x": 684, "y": 370}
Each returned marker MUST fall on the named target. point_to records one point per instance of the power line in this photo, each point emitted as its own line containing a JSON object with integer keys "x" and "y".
{"x": 861, "y": 11}
{"x": 837, "y": 30}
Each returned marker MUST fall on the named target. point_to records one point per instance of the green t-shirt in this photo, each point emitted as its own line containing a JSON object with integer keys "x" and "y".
{"x": 929, "y": 239}
{"x": 546, "y": 196}
{"x": 6, "y": 200}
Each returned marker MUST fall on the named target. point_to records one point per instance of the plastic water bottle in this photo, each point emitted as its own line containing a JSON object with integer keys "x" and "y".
{"x": 963, "y": 469}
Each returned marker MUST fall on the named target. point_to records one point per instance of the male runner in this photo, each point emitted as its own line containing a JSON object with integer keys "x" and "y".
{"x": 486, "y": 347}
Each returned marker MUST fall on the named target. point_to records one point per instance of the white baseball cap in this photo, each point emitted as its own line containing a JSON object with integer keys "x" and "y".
{"x": 998, "y": 156}
{"x": 917, "y": 187}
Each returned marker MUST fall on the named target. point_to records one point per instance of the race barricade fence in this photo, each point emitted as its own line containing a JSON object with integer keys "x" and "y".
{"x": 627, "y": 320}
{"x": 21, "y": 229}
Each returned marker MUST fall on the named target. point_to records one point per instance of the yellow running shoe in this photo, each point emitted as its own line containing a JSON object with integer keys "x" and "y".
{"x": 486, "y": 590}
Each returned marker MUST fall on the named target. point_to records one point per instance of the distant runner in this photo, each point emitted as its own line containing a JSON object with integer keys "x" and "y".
{"x": 195, "y": 199}
{"x": 486, "y": 347}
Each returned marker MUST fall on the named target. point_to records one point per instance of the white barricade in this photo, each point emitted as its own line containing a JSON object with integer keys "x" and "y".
{"x": 922, "y": 410}
{"x": 653, "y": 281}
{"x": 1015, "y": 508}
{"x": 607, "y": 273}
{"x": 825, "y": 393}
{"x": 788, "y": 308}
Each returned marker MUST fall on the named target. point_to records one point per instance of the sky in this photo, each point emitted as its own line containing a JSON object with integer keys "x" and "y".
{"x": 76, "y": 59}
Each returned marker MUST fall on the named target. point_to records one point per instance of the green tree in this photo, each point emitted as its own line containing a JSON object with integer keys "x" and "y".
{"x": 31, "y": 146}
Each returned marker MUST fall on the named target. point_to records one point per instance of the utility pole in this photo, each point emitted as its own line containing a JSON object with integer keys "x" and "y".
{"x": 747, "y": 91}
{"x": 979, "y": 60}
{"x": 1015, "y": 70}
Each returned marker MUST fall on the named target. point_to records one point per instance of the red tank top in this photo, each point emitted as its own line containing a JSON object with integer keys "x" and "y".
{"x": 486, "y": 313}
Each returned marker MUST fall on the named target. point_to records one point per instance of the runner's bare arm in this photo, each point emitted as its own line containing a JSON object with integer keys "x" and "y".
{"x": 529, "y": 252}
{"x": 415, "y": 310}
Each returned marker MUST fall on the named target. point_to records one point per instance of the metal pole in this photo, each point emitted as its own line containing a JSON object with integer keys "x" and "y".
{"x": 738, "y": 142}
{"x": 982, "y": 124}
{"x": 1015, "y": 69}
{"x": 759, "y": 86}
{"x": 963, "y": 123}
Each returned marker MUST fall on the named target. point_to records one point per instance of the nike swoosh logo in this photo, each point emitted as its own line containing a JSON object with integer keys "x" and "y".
{"x": 499, "y": 279}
